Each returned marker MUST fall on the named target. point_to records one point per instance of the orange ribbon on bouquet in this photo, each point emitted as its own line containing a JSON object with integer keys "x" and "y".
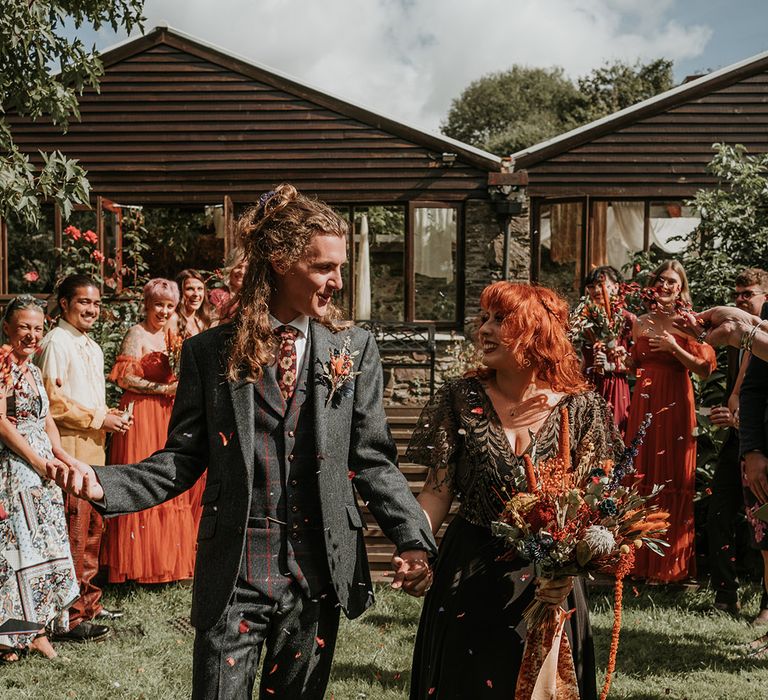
{"x": 547, "y": 671}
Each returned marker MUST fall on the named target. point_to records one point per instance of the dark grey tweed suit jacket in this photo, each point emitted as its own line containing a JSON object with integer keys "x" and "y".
{"x": 213, "y": 426}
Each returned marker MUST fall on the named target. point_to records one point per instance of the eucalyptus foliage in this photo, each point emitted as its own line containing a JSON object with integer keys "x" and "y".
{"x": 43, "y": 71}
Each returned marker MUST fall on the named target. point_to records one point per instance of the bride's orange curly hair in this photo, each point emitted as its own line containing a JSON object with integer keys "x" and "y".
{"x": 274, "y": 233}
{"x": 535, "y": 330}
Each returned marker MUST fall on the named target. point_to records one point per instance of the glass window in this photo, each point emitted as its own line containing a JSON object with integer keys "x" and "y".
{"x": 435, "y": 235}
{"x": 180, "y": 238}
{"x": 561, "y": 234}
{"x": 379, "y": 273}
{"x": 31, "y": 255}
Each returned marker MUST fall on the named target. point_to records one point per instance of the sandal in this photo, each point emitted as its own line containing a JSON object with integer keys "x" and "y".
{"x": 10, "y": 656}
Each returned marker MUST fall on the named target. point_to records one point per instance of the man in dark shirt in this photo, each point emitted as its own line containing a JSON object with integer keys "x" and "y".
{"x": 753, "y": 448}
{"x": 726, "y": 502}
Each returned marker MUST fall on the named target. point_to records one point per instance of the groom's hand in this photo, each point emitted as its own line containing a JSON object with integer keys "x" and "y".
{"x": 412, "y": 573}
{"x": 76, "y": 478}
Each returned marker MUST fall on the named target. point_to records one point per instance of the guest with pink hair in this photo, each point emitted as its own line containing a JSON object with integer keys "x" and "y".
{"x": 155, "y": 545}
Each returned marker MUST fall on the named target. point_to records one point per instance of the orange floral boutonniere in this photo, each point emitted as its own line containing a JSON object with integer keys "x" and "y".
{"x": 338, "y": 372}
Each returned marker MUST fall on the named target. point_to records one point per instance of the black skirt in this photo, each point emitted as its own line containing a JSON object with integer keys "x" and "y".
{"x": 472, "y": 634}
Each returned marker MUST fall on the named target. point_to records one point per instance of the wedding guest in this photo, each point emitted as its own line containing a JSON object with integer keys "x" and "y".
{"x": 155, "y": 545}
{"x": 72, "y": 366}
{"x": 606, "y": 367}
{"x": 194, "y": 315}
{"x": 663, "y": 359}
{"x": 38, "y": 583}
{"x": 225, "y": 299}
{"x": 726, "y": 504}
{"x": 474, "y": 436}
{"x": 194, "y": 312}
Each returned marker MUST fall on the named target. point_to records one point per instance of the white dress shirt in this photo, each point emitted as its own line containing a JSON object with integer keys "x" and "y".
{"x": 75, "y": 362}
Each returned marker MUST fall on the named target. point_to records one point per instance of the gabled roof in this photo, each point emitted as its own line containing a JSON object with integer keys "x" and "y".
{"x": 279, "y": 80}
{"x": 687, "y": 92}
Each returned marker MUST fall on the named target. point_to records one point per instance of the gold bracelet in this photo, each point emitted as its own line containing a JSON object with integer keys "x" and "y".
{"x": 747, "y": 344}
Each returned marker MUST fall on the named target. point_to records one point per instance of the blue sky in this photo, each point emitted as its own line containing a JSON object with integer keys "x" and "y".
{"x": 410, "y": 58}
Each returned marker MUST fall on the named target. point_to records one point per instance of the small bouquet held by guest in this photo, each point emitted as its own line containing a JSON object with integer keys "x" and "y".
{"x": 173, "y": 343}
{"x": 600, "y": 322}
{"x": 575, "y": 519}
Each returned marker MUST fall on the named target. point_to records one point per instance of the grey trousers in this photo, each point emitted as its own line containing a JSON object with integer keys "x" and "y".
{"x": 300, "y": 636}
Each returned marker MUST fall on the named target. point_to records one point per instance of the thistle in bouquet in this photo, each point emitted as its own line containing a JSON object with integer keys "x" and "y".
{"x": 173, "y": 343}
{"x": 577, "y": 520}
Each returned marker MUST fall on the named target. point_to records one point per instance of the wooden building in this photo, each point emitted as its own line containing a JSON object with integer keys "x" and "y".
{"x": 180, "y": 123}
{"x": 620, "y": 184}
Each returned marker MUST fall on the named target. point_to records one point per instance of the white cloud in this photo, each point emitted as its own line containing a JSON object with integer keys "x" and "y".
{"x": 409, "y": 58}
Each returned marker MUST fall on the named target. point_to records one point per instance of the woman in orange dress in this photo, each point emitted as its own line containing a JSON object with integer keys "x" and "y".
{"x": 155, "y": 545}
{"x": 663, "y": 360}
{"x": 193, "y": 316}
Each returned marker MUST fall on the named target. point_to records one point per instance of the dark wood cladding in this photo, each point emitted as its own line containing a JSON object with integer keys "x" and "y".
{"x": 179, "y": 122}
{"x": 661, "y": 150}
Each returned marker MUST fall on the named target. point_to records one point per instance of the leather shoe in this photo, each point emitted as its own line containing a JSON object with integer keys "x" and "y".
{"x": 730, "y": 608}
{"x": 105, "y": 614}
{"x": 84, "y": 632}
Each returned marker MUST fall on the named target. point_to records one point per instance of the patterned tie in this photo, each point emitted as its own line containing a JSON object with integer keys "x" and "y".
{"x": 286, "y": 361}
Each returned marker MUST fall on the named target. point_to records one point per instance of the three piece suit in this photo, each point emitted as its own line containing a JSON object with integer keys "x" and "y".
{"x": 280, "y": 543}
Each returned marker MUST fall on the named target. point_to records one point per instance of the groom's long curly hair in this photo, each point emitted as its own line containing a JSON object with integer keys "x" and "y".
{"x": 274, "y": 234}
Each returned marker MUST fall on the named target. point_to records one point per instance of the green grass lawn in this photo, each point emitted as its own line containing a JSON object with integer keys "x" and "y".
{"x": 671, "y": 647}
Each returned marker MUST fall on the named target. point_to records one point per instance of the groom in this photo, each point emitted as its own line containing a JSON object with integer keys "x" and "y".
{"x": 284, "y": 408}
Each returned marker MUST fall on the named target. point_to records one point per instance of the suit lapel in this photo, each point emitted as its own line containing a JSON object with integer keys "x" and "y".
{"x": 244, "y": 409}
{"x": 317, "y": 356}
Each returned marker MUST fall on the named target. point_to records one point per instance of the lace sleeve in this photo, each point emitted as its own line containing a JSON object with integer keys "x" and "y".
{"x": 597, "y": 437}
{"x": 434, "y": 441}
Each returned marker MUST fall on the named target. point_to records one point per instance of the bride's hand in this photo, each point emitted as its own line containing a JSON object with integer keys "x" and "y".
{"x": 553, "y": 591}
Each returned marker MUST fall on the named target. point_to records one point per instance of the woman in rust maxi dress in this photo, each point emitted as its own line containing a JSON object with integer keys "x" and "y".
{"x": 155, "y": 545}
{"x": 663, "y": 360}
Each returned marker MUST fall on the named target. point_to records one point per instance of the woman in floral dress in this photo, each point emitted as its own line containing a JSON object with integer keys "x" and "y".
{"x": 37, "y": 576}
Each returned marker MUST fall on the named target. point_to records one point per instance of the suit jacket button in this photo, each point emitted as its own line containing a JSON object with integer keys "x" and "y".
{"x": 291, "y": 434}
{"x": 290, "y": 458}
{"x": 240, "y": 530}
{"x": 295, "y": 535}
{"x": 294, "y": 482}
{"x": 294, "y": 509}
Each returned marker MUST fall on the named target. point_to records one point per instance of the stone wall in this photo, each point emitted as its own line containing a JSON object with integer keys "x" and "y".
{"x": 483, "y": 264}
{"x": 484, "y": 251}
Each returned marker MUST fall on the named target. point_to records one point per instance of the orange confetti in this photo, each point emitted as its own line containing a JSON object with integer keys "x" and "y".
{"x": 270, "y": 691}
{"x": 243, "y": 627}
{"x": 320, "y": 642}
{"x": 431, "y": 691}
{"x": 274, "y": 668}
{"x": 224, "y": 439}
{"x": 489, "y": 683}
{"x": 230, "y": 661}
{"x": 297, "y": 655}
{"x": 351, "y": 474}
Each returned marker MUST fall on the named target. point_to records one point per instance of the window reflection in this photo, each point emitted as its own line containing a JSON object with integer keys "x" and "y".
{"x": 434, "y": 256}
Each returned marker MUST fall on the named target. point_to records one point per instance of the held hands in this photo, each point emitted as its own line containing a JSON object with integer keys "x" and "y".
{"x": 76, "y": 478}
{"x": 756, "y": 474}
{"x": 554, "y": 591}
{"x": 412, "y": 573}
